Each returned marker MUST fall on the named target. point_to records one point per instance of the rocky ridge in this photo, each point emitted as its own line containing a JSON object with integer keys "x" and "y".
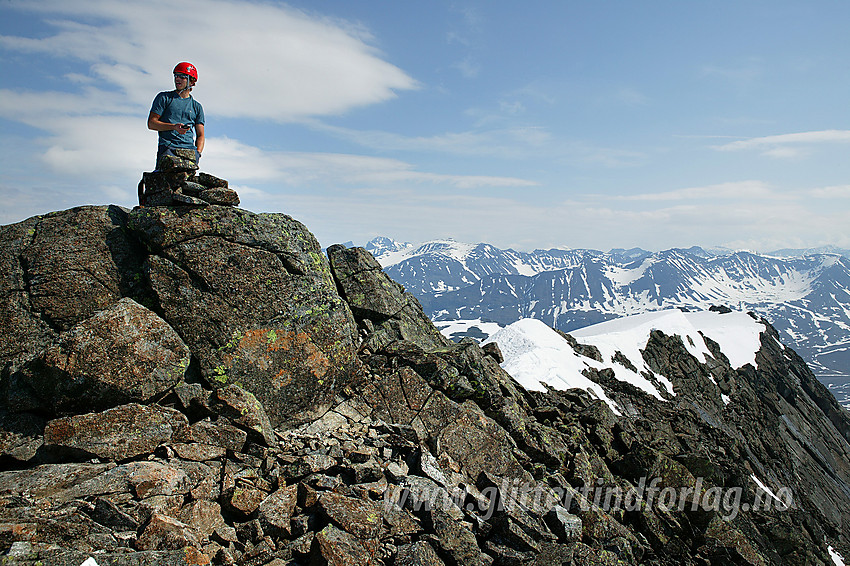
{"x": 201, "y": 385}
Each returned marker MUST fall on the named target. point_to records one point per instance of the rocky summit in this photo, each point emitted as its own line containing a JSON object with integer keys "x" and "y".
{"x": 191, "y": 384}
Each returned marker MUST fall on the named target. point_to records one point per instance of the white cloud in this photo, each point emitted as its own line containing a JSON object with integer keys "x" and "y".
{"x": 255, "y": 60}
{"x": 468, "y": 67}
{"x": 787, "y": 145}
{"x": 833, "y": 192}
{"x": 99, "y": 146}
{"x": 511, "y": 142}
{"x": 333, "y": 169}
{"x": 404, "y": 212}
{"x": 39, "y": 108}
{"x": 235, "y": 160}
{"x": 514, "y": 142}
{"x": 76, "y": 140}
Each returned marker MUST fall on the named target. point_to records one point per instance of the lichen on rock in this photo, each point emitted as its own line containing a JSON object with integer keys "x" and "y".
{"x": 199, "y": 385}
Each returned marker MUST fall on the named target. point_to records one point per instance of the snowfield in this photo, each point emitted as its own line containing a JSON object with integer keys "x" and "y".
{"x": 536, "y": 355}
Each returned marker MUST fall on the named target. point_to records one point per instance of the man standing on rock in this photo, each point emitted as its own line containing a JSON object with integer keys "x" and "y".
{"x": 176, "y": 116}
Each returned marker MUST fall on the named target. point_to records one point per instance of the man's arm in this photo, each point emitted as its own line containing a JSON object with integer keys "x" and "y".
{"x": 199, "y": 137}
{"x": 154, "y": 123}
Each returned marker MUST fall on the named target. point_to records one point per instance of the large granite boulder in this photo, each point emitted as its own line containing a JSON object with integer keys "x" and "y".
{"x": 122, "y": 354}
{"x": 253, "y": 298}
{"x": 59, "y": 269}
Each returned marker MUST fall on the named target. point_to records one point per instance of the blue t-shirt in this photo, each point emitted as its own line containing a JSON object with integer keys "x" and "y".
{"x": 175, "y": 110}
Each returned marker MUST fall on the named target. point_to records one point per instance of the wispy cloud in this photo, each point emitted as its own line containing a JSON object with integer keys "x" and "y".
{"x": 739, "y": 74}
{"x": 787, "y": 145}
{"x": 513, "y": 142}
{"x": 739, "y": 190}
{"x": 468, "y": 29}
{"x": 365, "y": 171}
{"x": 468, "y": 67}
{"x": 466, "y": 32}
{"x": 37, "y": 108}
{"x": 833, "y": 192}
{"x": 508, "y": 142}
{"x": 303, "y": 169}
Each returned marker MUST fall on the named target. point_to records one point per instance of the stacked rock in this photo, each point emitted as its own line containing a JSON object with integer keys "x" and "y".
{"x": 175, "y": 182}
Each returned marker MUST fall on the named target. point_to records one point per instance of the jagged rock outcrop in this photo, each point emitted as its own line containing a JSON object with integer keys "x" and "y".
{"x": 189, "y": 385}
{"x": 250, "y": 297}
{"x": 387, "y": 313}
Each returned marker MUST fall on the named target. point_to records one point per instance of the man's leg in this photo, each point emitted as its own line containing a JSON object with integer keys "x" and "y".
{"x": 184, "y": 154}
{"x": 162, "y": 150}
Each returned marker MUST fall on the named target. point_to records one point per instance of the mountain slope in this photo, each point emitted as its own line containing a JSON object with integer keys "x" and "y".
{"x": 807, "y": 298}
{"x": 195, "y": 386}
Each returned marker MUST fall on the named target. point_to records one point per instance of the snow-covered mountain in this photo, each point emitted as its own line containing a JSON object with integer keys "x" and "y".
{"x": 806, "y": 297}
{"x": 383, "y": 246}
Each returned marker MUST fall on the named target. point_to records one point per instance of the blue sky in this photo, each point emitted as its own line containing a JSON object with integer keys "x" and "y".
{"x": 587, "y": 124}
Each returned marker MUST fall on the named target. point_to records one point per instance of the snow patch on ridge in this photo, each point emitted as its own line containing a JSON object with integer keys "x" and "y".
{"x": 624, "y": 276}
{"x": 387, "y": 259}
{"x": 536, "y": 355}
{"x": 837, "y": 559}
{"x": 736, "y": 333}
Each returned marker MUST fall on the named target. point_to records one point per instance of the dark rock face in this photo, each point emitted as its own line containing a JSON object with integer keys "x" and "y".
{"x": 379, "y": 303}
{"x": 60, "y": 269}
{"x": 200, "y": 386}
{"x": 104, "y": 434}
{"x": 249, "y": 297}
{"x": 121, "y": 354}
{"x": 253, "y": 298}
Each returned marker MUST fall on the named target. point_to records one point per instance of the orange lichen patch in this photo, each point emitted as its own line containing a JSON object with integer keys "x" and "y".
{"x": 195, "y": 557}
{"x": 285, "y": 354}
{"x": 316, "y": 360}
{"x": 21, "y": 531}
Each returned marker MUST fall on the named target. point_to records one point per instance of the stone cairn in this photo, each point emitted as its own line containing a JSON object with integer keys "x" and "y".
{"x": 175, "y": 182}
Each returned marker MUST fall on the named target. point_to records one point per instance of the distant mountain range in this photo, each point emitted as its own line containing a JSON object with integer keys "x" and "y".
{"x": 805, "y": 294}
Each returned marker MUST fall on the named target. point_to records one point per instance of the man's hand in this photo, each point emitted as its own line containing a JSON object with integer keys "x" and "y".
{"x": 154, "y": 123}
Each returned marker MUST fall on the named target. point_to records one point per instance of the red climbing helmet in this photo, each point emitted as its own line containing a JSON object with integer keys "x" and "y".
{"x": 186, "y": 69}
